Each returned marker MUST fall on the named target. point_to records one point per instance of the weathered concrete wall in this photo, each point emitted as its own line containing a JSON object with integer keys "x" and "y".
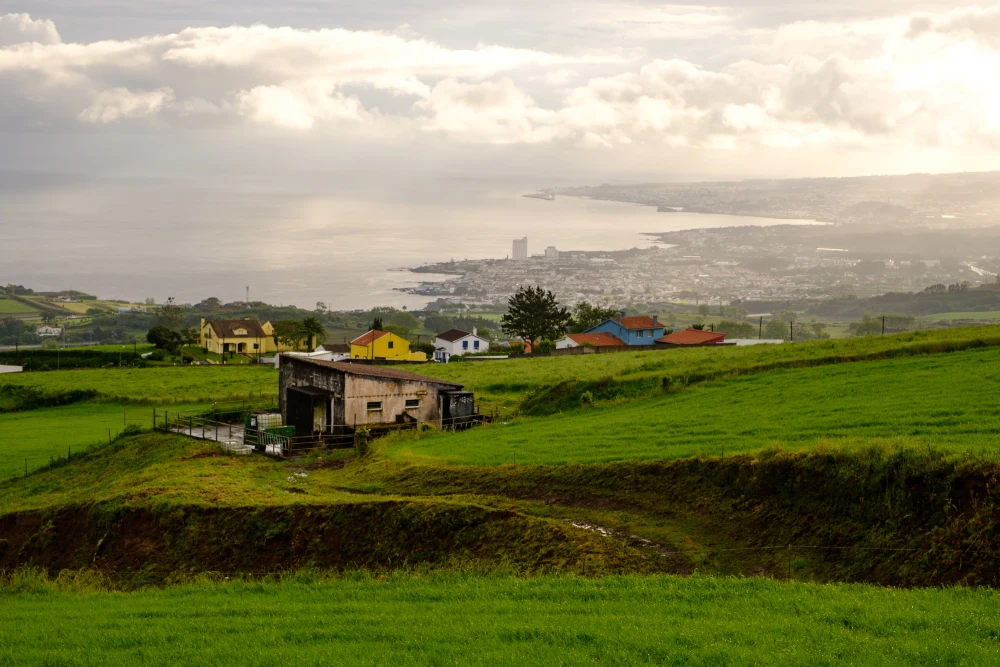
{"x": 294, "y": 373}
{"x": 393, "y": 394}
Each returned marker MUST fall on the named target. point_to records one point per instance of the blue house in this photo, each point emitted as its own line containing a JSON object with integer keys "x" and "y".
{"x": 639, "y": 330}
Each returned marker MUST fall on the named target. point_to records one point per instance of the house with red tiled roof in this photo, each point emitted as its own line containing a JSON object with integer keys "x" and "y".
{"x": 692, "y": 337}
{"x": 636, "y": 330}
{"x": 384, "y": 346}
{"x": 600, "y": 339}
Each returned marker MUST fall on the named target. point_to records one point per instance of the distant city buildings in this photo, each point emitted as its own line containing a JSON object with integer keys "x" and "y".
{"x": 551, "y": 252}
{"x": 520, "y": 249}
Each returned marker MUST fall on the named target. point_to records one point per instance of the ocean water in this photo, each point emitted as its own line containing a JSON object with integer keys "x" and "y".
{"x": 153, "y": 238}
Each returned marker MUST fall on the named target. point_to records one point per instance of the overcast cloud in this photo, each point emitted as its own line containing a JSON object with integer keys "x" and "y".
{"x": 617, "y": 89}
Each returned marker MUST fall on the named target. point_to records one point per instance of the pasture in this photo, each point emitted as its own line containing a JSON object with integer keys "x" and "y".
{"x": 944, "y": 400}
{"x": 163, "y": 385}
{"x": 981, "y": 316}
{"x": 496, "y": 620}
{"x": 34, "y": 437}
{"x": 504, "y": 383}
{"x": 11, "y": 307}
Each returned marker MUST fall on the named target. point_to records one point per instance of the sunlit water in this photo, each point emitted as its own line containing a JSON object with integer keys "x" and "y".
{"x": 159, "y": 240}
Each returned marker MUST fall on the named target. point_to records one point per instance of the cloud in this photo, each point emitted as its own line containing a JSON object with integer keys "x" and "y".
{"x": 21, "y": 28}
{"x": 118, "y": 103}
{"x": 922, "y": 79}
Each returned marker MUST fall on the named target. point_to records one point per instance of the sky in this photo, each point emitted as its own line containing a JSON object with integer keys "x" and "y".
{"x": 367, "y": 94}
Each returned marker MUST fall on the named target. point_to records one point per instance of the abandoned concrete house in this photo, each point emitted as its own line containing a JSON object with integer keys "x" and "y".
{"x": 327, "y": 397}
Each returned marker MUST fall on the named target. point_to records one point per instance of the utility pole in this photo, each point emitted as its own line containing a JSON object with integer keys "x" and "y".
{"x": 760, "y": 331}
{"x": 248, "y": 295}
{"x": 883, "y": 325}
{"x": 791, "y": 332}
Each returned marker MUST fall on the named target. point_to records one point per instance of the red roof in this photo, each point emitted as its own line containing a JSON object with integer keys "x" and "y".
{"x": 693, "y": 337}
{"x": 638, "y": 322}
{"x": 602, "y": 339}
{"x": 369, "y": 338}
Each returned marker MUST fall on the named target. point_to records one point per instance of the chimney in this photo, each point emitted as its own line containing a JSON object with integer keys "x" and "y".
{"x": 656, "y": 321}
{"x": 621, "y": 316}
{"x": 203, "y": 323}
{"x": 475, "y": 331}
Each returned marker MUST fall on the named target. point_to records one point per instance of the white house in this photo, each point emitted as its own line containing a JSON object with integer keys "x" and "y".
{"x": 457, "y": 342}
{"x": 46, "y": 330}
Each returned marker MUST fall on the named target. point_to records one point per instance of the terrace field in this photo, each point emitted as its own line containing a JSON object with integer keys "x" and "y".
{"x": 503, "y": 384}
{"x": 467, "y": 619}
{"x": 12, "y": 307}
{"x": 942, "y": 400}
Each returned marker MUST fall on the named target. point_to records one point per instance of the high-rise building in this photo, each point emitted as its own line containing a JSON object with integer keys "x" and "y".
{"x": 521, "y": 249}
{"x": 551, "y": 252}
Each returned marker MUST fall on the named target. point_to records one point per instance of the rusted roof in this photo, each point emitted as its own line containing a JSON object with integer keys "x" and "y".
{"x": 373, "y": 371}
{"x": 369, "y": 338}
{"x": 453, "y": 334}
{"x": 602, "y": 339}
{"x": 227, "y": 328}
{"x": 638, "y": 322}
{"x": 693, "y": 337}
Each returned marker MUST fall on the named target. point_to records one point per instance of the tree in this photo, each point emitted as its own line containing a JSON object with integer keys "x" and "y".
{"x": 704, "y": 310}
{"x": 288, "y": 332}
{"x": 868, "y": 326}
{"x": 321, "y": 307}
{"x": 164, "y": 339}
{"x": 376, "y": 324}
{"x": 49, "y": 319}
{"x": 95, "y": 312}
{"x": 776, "y": 329}
{"x": 586, "y": 316}
{"x": 312, "y": 329}
{"x": 170, "y": 315}
{"x": 534, "y": 314}
{"x": 405, "y": 320}
{"x": 735, "y": 329}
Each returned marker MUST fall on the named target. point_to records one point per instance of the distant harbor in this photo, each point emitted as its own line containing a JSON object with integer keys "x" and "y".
{"x": 546, "y": 196}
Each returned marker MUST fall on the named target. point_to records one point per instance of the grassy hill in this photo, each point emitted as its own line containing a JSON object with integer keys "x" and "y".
{"x": 886, "y": 473}
{"x": 502, "y": 621}
{"x": 943, "y": 400}
{"x": 180, "y": 384}
{"x": 554, "y": 383}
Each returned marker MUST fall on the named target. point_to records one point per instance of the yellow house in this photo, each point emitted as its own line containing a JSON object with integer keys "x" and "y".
{"x": 239, "y": 337}
{"x": 384, "y": 345}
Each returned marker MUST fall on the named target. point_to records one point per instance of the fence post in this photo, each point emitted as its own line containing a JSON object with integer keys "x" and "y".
{"x": 190, "y": 425}
{"x": 789, "y": 562}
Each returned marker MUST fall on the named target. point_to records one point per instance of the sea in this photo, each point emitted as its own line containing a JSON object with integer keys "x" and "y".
{"x": 350, "y": 250}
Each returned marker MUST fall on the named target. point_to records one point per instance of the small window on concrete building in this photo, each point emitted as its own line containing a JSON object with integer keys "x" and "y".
{"x": 412, "y": 403}
{"x": 374, "y": 406}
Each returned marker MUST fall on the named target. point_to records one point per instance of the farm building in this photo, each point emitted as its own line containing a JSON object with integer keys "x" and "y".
{"x": 332, "y": 397}
{"x": 692, "y": 337}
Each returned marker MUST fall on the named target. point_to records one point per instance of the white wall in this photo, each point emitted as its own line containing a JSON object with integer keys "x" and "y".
{"x": 455, "y": 348}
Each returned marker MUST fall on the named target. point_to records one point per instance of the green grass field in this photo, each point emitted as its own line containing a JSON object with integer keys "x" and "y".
{"x": 172, "y": 384}
{"x": 440, "y": 620}
{"x": 11, "y": 307}
{"x": 36, "y": 436}
{"x": 944, "y": 400}
{"x": 126, "y": 348}
{"x": 504, "y": 383}
{"x": 980, "y": 316}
